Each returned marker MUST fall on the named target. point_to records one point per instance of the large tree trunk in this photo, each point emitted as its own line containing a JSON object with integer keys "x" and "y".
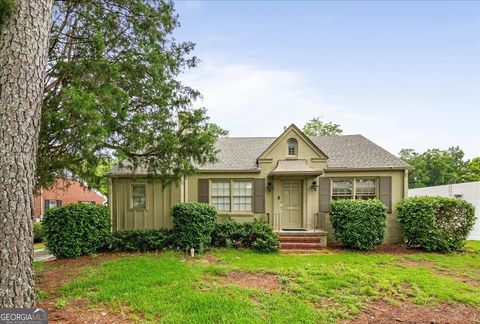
{"x": 23, "y": 57}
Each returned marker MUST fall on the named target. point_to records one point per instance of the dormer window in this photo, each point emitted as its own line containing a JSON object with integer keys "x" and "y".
{"x": 292, "y": 146}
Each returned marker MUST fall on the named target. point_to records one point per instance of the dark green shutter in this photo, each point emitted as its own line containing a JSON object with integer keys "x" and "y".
{"x": 324, "y": 189}
{"x": 203, "y": 190}
{"x": 47, "y": 204}
{"x": 59, "y": 203}
{"x": 385, "y": 194}
{"x": 259, "y": 192}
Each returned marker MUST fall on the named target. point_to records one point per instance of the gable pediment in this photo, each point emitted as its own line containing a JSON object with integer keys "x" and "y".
{"x": 279, "y": 148}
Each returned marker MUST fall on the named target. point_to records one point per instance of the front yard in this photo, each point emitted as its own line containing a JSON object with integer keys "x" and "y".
{"x": 243, "y": 286}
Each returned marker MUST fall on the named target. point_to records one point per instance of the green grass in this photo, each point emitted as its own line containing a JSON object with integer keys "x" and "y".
{"x": 315, "y": 288}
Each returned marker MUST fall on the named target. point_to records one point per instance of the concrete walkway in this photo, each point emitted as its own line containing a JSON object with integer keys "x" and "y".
{"x": 42, "y": 255}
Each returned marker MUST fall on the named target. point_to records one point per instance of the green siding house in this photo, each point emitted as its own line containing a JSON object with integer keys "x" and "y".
{"x": 287, "y": 181}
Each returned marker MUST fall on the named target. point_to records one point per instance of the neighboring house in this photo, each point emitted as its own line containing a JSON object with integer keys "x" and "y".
{"x": 287, "y": 181}
{"x": 64, "y": 192}
{"x": 470, "y": 191}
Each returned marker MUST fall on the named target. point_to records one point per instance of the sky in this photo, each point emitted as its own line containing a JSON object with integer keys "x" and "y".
{"x": 403, "y": 74}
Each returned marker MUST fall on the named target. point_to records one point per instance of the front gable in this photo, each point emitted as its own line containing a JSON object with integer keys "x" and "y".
{"x": 278, "y": 150}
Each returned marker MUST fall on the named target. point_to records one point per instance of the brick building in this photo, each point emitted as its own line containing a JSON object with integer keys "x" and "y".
{"x": 65, "y": 192}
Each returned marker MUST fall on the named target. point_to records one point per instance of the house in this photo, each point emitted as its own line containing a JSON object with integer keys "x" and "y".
{"x": 287, "y": 181}
{"x": 470, "y": 191}
{"x": 65, "y": 191}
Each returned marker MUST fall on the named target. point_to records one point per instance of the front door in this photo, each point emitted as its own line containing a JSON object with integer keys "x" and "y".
{"x": 291, "y": 204}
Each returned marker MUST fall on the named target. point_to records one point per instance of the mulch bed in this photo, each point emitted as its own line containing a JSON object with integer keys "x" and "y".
{"x": 383, "y": 312}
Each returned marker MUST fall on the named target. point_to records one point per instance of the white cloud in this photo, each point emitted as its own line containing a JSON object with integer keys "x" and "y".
{"x": 252, "y": 101}
{"x": 249, "y": 100}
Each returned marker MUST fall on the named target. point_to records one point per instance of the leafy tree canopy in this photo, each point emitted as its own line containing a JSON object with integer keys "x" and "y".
{"x": 436, "y": 167}
{"x": 112, "y": 92}
{"x": 317, "y": 127}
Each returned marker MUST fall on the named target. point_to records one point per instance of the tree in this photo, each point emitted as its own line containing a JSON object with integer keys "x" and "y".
{"x": 436, "y": 167}
{"x": 474, "y": 169}
{"x": 317, "y": 127}
{"x": 23, "y": 57}
{"x": 111, "y": 93}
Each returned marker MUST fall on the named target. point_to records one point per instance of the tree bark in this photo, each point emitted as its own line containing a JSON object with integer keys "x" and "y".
{"x": 23, "y": 57}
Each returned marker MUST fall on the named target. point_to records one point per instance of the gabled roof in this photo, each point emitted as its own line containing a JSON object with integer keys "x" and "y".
{"x": 343, "y": 151}
{"x": 293, "y": 128}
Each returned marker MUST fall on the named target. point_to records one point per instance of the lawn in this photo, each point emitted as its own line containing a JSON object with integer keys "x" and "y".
{"x": 243, "y": 286}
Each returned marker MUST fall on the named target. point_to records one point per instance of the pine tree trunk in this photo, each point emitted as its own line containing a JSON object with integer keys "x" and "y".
{"x": 23, "y": 57}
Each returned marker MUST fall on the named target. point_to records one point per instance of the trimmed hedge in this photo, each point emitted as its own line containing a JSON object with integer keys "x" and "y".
{"x": 76, "y": 229}
{"x": 359, "y": 224}
{"x": 436, "y": 223}
{"x": 193, "y": 224}
{"x": 141, "y": 240}
{"x": 256, "y": 235}
{"x": 38, "y": 233}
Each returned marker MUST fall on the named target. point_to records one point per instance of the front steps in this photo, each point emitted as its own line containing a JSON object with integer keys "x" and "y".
{"x": 302, "y": 241}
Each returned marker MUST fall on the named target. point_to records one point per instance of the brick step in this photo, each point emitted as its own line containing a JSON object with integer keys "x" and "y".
{"x": 298, "y": 251}
{"x": 300, "y": 239}
{"x": 300, "y": 246}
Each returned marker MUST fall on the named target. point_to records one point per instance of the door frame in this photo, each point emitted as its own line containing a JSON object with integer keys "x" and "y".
{"x": 301, "y": 202}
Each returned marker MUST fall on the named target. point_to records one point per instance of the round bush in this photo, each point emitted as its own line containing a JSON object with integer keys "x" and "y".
{"x": 37, "y": 232}
{"x": 193, "y": 224}
{"x": 77, "y": 229}
{"x": 359, "y": 224}
{"x": 436, "y": 223}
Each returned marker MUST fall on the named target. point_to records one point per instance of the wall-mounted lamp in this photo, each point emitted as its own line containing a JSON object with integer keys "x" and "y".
{"x": 269, "y": 187}
{"x": 314, "y": 185}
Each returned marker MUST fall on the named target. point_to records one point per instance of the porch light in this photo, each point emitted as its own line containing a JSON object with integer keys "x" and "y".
{"x": 314, "y": 185}
{"x": 269, "y": 187}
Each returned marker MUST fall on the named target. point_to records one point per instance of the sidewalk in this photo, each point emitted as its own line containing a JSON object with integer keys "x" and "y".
{"x": 42, "y": 255}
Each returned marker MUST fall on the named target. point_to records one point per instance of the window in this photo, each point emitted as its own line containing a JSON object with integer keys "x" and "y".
{"x": 345, "y": 189}
{"x": 365, "y": 189}
{"x": 49, "y": 203}
{"x": 232, "y": 195}
{"x": 292, "y": 146}
{"x": 242, "y": 196}
{"x": 221, "y": 195}
{"x": 138, "y": 196}
{"x": 342, "y": 189}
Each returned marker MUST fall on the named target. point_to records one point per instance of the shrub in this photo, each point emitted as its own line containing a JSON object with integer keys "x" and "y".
{"x": 436, "y": 223}
{"x": 228, "y": 234}
{"x": 141, "y": 240}
{"x": 193, "y": 224}
{"x": 37, "y": 232}
{"x": 256, "y": 235}
{"x": 260, "y": 237}
{"x": 77, "y": 229}
{"x": 359, "y": 224}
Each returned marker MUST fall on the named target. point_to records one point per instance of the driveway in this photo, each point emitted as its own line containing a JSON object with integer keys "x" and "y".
{"x": 42, "y": 255}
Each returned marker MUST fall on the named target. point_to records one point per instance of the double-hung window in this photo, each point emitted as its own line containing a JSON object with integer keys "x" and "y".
{"x": 342, "y": 189}
{"x": 221, "y": 195}
{"x": 365, "y": 189}
{"x": 232, "y": 195}
{"x": 242, "y": 196}
{"x": 355, "y": 188}
{"x": 139, "y": 200}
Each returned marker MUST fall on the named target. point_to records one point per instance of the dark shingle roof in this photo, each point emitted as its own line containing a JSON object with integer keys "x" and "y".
{"x": 344, "y": 151}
